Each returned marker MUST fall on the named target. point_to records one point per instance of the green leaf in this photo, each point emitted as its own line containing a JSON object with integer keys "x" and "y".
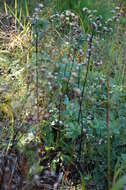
{"x": 82, "y": 183}
{"x": 120, "y": 184}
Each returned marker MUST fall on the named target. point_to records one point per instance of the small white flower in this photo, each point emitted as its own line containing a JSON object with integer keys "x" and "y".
{"x": 50, "y": 111}
{"x": 72, "y": 14}
{"x": 41, "y": 5}
{"x": 76, "y": 18}
{"x": 109, "y": 20}
{"x": 85, "y": 9}
{"x": 94, "y": 25}
{"x": 68, "y": 13}
{"x": 60, "y": 122}
{"x": 62, "y": 16}
{"x": 89, "y": 11}
{"x": 53, "y": 123}
{"x": 105, "y": 29}
{"x": 113, "y": 11}
{"x": 94, "y": 11}
{"x": 110, "y": 29}
{"x": 67, "y": 18}
{"x": 37, "y": 10}
{"x": 117, "y": 8}
{"x": 90, "y": 16}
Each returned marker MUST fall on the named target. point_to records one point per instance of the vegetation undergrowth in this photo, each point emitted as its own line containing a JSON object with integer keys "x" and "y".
{"x": 62, "y": 95}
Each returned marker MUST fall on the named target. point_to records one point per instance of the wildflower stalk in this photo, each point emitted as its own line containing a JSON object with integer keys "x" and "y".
{"x": 79, "y": 76}
{"x": 85, "y": 79}
{"x": 108, "y": 132}
{"x": 36, "y": 62}
{"x": 16, "y": 6}
{"x": 66, "y": 63}
{"x": 83, "y": 90}
{"x": 71, "y": 69}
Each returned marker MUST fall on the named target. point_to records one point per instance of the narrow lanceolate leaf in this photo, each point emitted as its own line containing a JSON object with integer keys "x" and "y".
{"x": 82, "y": 183}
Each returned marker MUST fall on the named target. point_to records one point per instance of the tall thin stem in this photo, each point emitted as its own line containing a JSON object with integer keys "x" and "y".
{"x": 79, "y": 75}
{"x": 85, "y": 79}
{"x": 108, "y": 132}
{"x": 16, "y": 6}
{"x": 71, "y": 69}
{"x": 82, "y": 96}
{"x": 36, "y": 60}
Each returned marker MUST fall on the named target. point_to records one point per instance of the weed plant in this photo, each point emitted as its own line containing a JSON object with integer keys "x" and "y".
{"x": 62, "y": 86}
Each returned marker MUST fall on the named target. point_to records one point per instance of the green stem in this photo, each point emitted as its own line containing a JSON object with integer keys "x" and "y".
{"x": 37, "y": 85}
{"x": 108, "y": 132}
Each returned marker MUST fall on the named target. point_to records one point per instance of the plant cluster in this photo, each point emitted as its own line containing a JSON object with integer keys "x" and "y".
{"x": 62, "y": 103}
